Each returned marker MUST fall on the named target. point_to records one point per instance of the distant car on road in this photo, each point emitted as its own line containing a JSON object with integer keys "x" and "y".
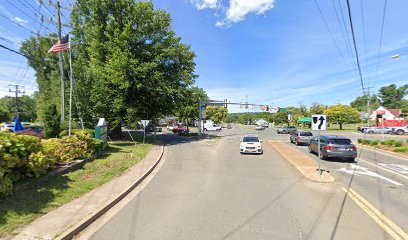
{"x": 301, "y": 137}
{"x": 8, "y": 127}
{"x": 286, "y": 129}
{"x": 399, "y": 130}
{"x": 251, "y": 144}
{"x": 334, "y": 146}
{"x": 181, "y": 129}
{"x": 153, "y": 129}
{"x": 170, "y": 127}
{"x": 377, "y": 130}
{"x": 210, "y": 126}
{"x": 259, "y": 128}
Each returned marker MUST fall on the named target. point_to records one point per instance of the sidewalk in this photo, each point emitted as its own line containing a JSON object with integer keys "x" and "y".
{"x": 65, "y": 221}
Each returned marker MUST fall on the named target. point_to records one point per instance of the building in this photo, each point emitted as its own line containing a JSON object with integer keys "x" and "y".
{"x": 388, "y": 114}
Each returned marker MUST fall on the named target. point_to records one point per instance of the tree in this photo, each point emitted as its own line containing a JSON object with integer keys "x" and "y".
{"x": 360, "y": 103}
{"x": 4, "y": 114}
{"x": 280, "y": 118}
{"x": 137, "y": 66}
{"x": 187, "y": 110}
{"x": 51, "y": 122}
{"x": 216, "y": 113}
{"x": 393, "y": 96}
{"x": 26, "y": 104}
{"x": 317, "y": 108}
{"x": 342, "y": 114}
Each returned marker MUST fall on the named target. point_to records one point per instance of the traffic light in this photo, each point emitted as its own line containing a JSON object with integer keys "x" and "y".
{"x": 267, "y": 108}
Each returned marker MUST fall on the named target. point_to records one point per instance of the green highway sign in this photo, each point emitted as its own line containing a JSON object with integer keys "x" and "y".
{"x": 305, "y": 119}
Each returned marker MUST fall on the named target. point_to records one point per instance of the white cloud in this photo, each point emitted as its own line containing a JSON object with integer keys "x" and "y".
{"x": 203, "y": 4}
{"x": 20, "y": 20}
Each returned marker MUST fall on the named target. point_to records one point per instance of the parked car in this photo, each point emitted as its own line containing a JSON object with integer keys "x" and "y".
{"x": 259, "y": 127}
{"x": 334, "y": 146}
{"x": 151, "y": 128}
{"x": 8, "y": 127}
{"x": 301, "y": 137}
{"x": 179, "y": 129}
{"x": 377, "y": 130}
{"x": 210, "y": 126}
{"x": 251, "y": 144}
{"x": 170, "y": 127}
{"x": 286, "y": 129}
{"x": 399, "y": 130}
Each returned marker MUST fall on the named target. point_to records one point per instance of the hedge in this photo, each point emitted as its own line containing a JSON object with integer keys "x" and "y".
{"x": 27, "y": 156}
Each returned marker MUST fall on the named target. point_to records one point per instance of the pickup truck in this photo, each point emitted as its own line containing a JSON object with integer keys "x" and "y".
{"x": 377, "y": 130}
{"x": 399, "y": 130}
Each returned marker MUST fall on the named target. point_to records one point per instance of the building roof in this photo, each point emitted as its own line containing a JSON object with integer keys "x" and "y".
{"x": 394, "y": 111}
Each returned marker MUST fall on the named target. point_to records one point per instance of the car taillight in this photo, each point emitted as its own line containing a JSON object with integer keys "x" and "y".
{"x": 329, "y": 147}
{"x": 354, "y": 148}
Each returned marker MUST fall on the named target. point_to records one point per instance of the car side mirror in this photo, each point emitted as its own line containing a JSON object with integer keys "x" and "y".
{"x": 260, "y": 140}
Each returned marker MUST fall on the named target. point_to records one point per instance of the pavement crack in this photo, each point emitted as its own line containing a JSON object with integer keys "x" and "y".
{"x": 295, "y": 223}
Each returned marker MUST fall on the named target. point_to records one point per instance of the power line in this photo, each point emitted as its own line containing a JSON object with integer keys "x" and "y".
{"x": 14, "y": 51}
{"x": 346, "y": 41}
{"x": 364, "y": 39}
{"x": 381, "y": 37}
{"x": 22, "y": 26}
{"x": 355, "y": 45}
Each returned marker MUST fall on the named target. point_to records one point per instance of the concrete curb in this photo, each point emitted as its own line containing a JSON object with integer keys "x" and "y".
{"x": 80, "y": 226}
{"x": 305, "y": 165}
{"x": 381, "y": 150}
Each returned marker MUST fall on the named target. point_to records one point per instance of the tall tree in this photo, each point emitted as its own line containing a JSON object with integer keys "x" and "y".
{"x": 26, "y": 105}
{"x": 342, "y": 114}
{"x": 393, "y": 96}
{"x": 360, "y": 103}
{"x": 4, "y": 114}
{"x": 216, "y": 113}
{"x": 317, "y": 108}
{"x": 187, "y": 108}
{"x": 137, "y": 65}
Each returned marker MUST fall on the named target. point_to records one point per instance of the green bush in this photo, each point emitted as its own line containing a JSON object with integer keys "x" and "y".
{"x": 375, "y": 142}
{"x": 38, "y": 164}
{"x": 398, "y": 143}
{"x": 360, "y": 140}
{"x": 75, "y": 131}
{"x": 392, "y": 143}
{"x": 6, "y": 185}
{"x": 52, "y": 122}
{"x": 366, "y": 141}
{"x": 401, "y": 149}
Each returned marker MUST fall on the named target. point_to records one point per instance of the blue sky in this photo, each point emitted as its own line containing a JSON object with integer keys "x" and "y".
{"x": 277, "y": 52}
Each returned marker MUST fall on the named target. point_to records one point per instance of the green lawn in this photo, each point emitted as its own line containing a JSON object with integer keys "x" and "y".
{"x": 246, "y": 127}
{"x": 24, "y": 206}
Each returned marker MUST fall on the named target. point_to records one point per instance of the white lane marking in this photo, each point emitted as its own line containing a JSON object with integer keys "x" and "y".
{"x": 384, "y": 153}
{"x": 383, "y": 168}
{"x": 358, "y": 170}
{"x": 396, "y": 167}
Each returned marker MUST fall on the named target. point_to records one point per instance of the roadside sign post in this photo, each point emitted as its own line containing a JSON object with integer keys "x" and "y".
{"x": 144, "y": 123}
{"x": 319, "y": 123}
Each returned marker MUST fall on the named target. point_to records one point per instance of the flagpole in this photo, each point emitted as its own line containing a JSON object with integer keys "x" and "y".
{"x": 70, "y": 93}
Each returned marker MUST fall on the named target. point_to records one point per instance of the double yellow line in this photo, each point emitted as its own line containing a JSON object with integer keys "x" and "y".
{"x": 389, "y": 226}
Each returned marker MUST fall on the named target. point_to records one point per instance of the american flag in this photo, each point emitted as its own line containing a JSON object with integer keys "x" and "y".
{"x": 61, "y": 46}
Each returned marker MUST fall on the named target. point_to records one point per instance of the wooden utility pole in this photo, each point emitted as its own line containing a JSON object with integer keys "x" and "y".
{"x": 61, "y": 62}
{"x": 15, "y": 89}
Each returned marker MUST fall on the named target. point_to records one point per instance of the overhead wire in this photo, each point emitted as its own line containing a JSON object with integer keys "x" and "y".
{"x": 365, "y": 43}
{"x": 381, "y": 38}
{"x": 355, "y": 45}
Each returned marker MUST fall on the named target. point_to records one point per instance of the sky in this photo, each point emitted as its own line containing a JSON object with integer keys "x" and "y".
{"x": 280, "y": 53}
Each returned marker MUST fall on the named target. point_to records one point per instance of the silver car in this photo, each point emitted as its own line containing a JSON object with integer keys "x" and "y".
{"x": 334, "y": 146}
{"x": 377, "y": 130}
{"x": 301, "y": 137}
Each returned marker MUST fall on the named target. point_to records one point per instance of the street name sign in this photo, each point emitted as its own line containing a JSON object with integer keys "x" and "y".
{"x": 319, "y": 122}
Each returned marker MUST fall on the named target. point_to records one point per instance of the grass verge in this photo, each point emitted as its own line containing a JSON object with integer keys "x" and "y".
{"x": 24, "y": 206}
{"x": 246, "y": 127}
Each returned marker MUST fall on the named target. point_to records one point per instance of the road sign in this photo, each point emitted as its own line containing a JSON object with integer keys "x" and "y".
{"x": 145, "y": 123}
{"x": 319, "y": 122}
{"x": 304, "y": 119}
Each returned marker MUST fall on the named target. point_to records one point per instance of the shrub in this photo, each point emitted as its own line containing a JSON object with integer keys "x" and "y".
{"x": 6, "y": 186}
{"x": 52, "y": 122}
{"x": 38, "y": 164}
{"x": 375, "y": 142}
{"x": 360, "y": 140}
{"x": 398, "y": 143}
{"x": 75, "y": 131}
{"x": 392, "y": 143}
{"x": 366, "y": 141}
{"x": 401, "y": 149}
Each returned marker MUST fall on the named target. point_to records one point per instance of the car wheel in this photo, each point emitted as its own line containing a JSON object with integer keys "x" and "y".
{"x": 284, "y": 132}
{"x": 400, "y": 132}
{"x": 310, "y": 149}
{"x": 370, "y": 132}
{"x": 351, "y": 159}
{"x": 322, "y": 157}
{"x": 296, "y": 143}
{"x": 291, "y": 141}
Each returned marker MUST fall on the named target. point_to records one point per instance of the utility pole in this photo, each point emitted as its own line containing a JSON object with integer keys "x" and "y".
{"x": 58, "y": 8}
{"x": 15, "y": 89}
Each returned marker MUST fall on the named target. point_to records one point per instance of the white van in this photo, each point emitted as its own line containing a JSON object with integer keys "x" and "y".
{"x": 211, "y": 126}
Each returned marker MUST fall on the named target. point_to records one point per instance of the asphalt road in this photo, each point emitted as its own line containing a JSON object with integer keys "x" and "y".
{"x": 205, "y": 191}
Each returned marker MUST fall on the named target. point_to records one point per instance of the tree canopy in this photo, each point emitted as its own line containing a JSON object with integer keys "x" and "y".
{"x": 216, "y": 113}
{"x": 360, "y": 103}
{"x": 393, "y": 96}
{"x": 342, "y": 114}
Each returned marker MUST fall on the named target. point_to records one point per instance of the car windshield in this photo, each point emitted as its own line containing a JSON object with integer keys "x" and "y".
{"x": 344, "y": 141}
{"x": 250, "y": 139}
{"x": 305, "y": 134}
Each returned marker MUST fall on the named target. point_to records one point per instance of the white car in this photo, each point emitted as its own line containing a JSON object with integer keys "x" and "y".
{"x": 170, "y": 127}
{"x": 251, "y": 144}
{"x": 259, "y": 127}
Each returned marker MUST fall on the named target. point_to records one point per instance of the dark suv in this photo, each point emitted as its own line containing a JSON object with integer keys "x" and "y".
{"x": 334, "y": 146}
{"x": 301, "y": 137}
